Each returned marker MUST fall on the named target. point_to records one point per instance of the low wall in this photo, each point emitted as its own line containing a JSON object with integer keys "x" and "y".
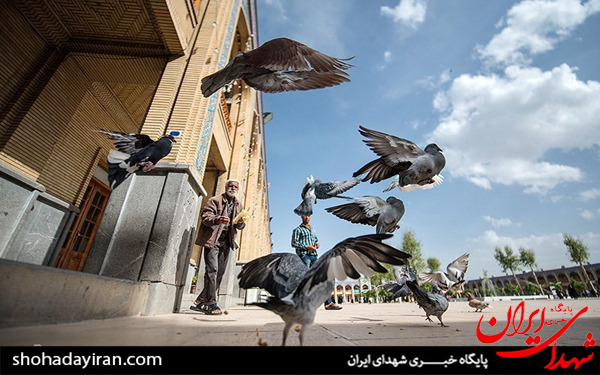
{"x": 34, "y": 295}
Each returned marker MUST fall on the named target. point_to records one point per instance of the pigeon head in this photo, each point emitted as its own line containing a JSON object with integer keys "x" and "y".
{"x": 432, "y": 147}
{"x": 169, "y": 137}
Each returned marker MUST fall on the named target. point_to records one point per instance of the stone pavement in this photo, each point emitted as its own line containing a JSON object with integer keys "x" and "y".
{"x": 391, "y": 324}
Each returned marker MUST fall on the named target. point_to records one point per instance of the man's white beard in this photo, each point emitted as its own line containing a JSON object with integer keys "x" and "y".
{"x": 231, "y": 193}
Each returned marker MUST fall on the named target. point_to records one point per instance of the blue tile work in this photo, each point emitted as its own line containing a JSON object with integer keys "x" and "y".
{"x": 212, "y": 104}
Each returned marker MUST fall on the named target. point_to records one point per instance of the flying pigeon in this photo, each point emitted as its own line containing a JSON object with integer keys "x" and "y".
{"x": 298, "y": 291}
{"x": 453, "y": 279}
{"x": 316, "y": 189}
{"x": 135, "y": 152}
{"x": 401, "y": 157}
{"x": 402, "y": 274}
{"x": 437, "y": 180}
{"x": 280, "y": 65}
{"x": 371, "y": 210}
{"x": 433, "y": 303}
{"x": 477, "y": 304}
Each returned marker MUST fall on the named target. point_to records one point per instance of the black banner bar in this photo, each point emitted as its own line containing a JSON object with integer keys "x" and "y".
{"x": 294, "y": 360}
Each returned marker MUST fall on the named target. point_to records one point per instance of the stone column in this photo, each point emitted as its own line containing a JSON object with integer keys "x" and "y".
{"x": 147, "y": 233}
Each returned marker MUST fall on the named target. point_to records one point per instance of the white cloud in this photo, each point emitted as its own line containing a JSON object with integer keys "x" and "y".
{"x": 589, "y": 195}
{"x": 410, "y": 13}
{"x": 550, "y": 251}
{"x": 432, "y": 82}
{"x": 535, "y": 26}
{"x": 497, "y": 223}
{"x": 387, "y": 59}
{"x": 497, "y": 129}
{"x": 588, "y": 214}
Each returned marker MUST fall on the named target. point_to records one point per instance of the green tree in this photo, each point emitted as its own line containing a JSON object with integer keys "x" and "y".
{"x": 578, "y": 253}
{"x": 510, "y": 289}
{"x": 527, "y": 258}
{"x": 433, "y": 264}
{"x": 508, "y": 261}
{"x": 411, "y": 246}
{"x": 379, "y": 278}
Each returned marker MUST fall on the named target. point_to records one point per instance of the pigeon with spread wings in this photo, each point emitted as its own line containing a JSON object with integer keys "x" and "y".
{"x": 298, "y": 291}
{"x": 278, "y": 65}
{"x": 401, "y": 157}
{"x": 134, "y": 152}
{"x": 402, "y": 274}
{"x": 453, "y": 278}
{"x": 371, "y": 210}
{"x": 316, "y": 189}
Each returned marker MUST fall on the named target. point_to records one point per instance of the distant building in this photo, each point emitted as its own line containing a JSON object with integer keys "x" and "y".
{"x": 72, "y": 249}
{"x": 351, "y": 290}
{"x": 561, "y": 276}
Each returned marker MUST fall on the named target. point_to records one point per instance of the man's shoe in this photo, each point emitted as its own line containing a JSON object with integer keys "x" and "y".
{"x": 333, "y": 306}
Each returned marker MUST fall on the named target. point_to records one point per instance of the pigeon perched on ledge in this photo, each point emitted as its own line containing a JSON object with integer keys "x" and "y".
{"x": 372, "y": 210}
{"x": 477, "y": 304}
{"x": 278, "y": 65}
{"x": 298, "y": 291}
{"x": 316, "y": 189}
{"x": 135, "y": 152}
{"x": 401, "y": 157}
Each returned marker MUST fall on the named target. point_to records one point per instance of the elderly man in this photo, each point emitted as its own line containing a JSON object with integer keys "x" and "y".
{"x": 217, "y": 236}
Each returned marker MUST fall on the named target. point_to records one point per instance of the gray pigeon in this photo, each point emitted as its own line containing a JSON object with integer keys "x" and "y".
{"x": 402, "y": 274}
{"x": 401, "y": 157}
{"x": 280, "y": 65}
{"x": 298, "y": 291}
{"x": 433, "y": 303}
{"x": 316, "y": 189}
{"x": 135, "y": 152}
{"x": 453, "y": 279}
{"x": 371, "y": 210}
{"x": 477, "y": 304}
{"x": 437, "y": 180}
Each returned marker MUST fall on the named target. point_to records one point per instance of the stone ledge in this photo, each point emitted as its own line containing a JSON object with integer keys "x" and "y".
{"x": 21, "y": 180}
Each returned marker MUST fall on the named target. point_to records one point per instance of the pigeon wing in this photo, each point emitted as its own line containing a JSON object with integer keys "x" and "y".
{"x": 392, "y": 149}
{"x": 402, "y": 274}
{"x": 129, "y": 143}
{"x": 288, "y": 54}
{"x": 458, "y": 268}
{"x": 351, "y": 258}
{"x": 305, "y": 190}
{"x": 267, "y": 81}
{"x": 353, "y": 213}
{"x": 326, "y": 190}
{"x": 436, "y": 278}
{"x": 277, "y": 273}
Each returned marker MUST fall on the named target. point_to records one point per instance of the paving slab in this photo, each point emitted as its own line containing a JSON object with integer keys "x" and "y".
{"x": 389, "y": 324}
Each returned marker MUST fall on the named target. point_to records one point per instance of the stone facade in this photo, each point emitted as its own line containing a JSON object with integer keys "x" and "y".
{"x": 69, "y": 68}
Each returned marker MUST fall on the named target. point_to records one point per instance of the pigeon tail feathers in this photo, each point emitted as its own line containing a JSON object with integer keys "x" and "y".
{"x": 212, "y": 83}
{"x": 304, "y": 209}
{"x": 117, "y": 168}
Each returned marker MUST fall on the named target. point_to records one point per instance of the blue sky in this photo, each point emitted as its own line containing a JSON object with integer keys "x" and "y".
{"x": 510, "y": 90}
